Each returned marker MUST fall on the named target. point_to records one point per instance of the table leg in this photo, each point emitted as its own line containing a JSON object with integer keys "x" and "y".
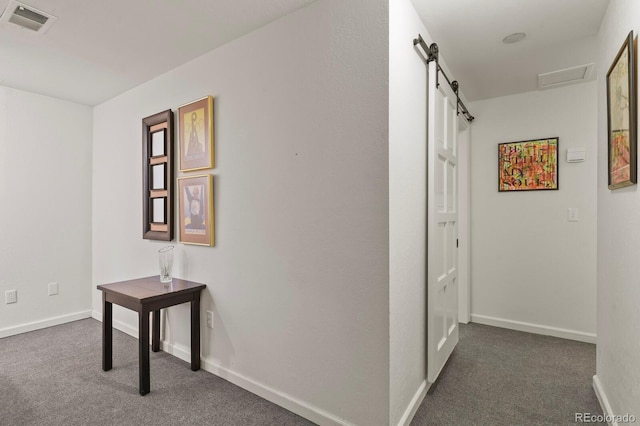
{"x": 107, "y": 333}
{"x": 155, "y": 331}
{"x": 195, "y": 332}
{"x": 143, "y": 342}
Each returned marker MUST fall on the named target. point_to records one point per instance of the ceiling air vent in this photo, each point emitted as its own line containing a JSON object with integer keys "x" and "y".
{"x": 565, "y": 76}
{"x": 27, "y": 17}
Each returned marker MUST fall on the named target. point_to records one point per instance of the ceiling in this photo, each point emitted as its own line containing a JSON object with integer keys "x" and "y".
{"x": 560, "y": 34}
{"x": 98, "y": 49}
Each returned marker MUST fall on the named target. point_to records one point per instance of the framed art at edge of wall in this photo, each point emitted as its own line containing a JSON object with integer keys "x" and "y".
{"x": 528, "y": 165}
{"x": 621, "y": 117}
{"x": 196, "y": 210}
{"x": 195, "y": 135}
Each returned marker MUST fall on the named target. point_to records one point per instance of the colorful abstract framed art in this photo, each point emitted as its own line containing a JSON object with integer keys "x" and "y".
{"x": 528, "y": 165}
{"x": 621, "y": 117}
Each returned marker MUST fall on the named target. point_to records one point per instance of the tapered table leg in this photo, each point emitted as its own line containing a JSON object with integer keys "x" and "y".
{"x": 107, "y": 333}
{"x": 155, "y": 330}
{"x": 195, "y": 332}
{"x": 143, "y": 341}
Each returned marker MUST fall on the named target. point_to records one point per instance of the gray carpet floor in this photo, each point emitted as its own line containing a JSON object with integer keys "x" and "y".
{"x": 494, "y": 377}
{"x": 504, "y": 377}
{"x": 54, "y": 377}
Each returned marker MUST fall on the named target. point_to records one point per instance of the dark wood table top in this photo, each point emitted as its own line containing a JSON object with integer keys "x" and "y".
{"x": 149, "y": 289}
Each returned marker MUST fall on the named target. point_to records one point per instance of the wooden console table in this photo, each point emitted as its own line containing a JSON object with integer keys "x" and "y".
{"x": 149, "y": 295}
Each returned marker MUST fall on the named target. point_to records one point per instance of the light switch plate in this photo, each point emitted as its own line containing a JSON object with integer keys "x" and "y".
{"x": 572, "y": 214}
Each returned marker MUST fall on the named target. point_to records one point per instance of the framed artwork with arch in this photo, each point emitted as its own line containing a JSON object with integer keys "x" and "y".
{"x": 195, "y": 135}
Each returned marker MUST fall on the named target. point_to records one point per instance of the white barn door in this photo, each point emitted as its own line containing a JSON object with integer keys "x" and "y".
{"x": 442, "y": 224}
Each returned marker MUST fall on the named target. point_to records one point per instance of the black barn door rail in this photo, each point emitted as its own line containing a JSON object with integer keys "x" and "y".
{"x": 432, "y": 55}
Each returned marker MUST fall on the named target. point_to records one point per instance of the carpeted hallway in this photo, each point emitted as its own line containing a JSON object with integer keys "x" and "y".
{"x": 495, "y": 377}
{"x": 504, "y": 377}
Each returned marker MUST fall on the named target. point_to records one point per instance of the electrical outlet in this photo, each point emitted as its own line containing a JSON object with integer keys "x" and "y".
{"x": 53, "y": 289}
{"x": 210, "y": 319}
{"x": 11, "y": 296}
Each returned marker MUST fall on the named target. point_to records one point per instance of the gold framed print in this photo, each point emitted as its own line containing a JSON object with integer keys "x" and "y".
{"x": 195, "y": 131}
{"x": 196, "y": 216}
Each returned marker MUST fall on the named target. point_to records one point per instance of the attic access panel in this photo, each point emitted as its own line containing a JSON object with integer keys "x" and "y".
{"x": 27, "y": 17}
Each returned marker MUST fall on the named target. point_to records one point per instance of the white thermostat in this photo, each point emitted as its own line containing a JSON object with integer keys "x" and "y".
{"x": 576, "y": 155}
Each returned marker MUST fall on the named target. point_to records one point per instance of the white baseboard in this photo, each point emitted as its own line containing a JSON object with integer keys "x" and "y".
{"x": 604, "y": 401}
{"x": 118, "y": 325}
{"x": 48, "y": 322}
{"x": 534, "y": 328}
{"x": 282, "y": 399}
{"x": 417, "y": 399}
{"x": 308, "y": 411}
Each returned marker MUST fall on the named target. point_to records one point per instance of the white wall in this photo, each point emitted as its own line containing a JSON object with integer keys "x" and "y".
{"x": 532, "y": 270}
{"x": 618, "y": 363}
{"x": 407, "y": 211}
{"x": 298, "y": 280}
{"x": 45, "y": 219}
